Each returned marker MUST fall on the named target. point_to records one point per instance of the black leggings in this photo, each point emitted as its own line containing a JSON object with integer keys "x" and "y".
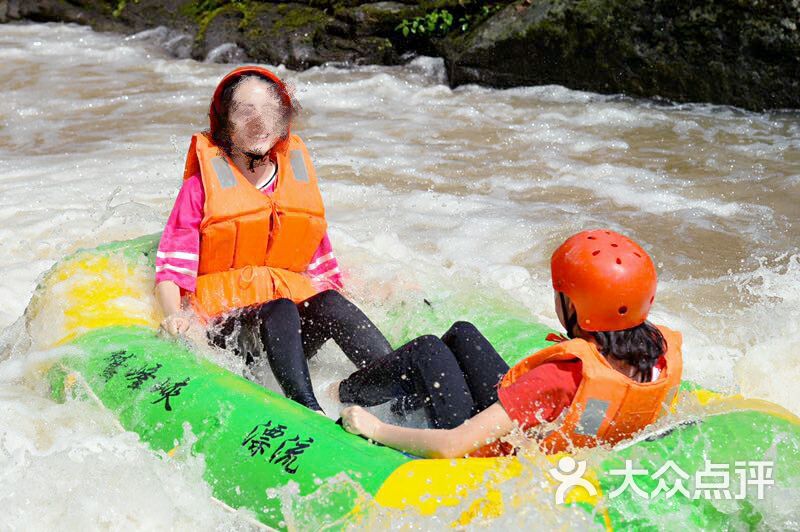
{"x": 291, "y": 333}
{"x": 454, "y": 377}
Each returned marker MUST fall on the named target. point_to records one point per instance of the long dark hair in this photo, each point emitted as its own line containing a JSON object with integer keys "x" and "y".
{"x": 639, "y": 346}
{"x": 221, "y": 134}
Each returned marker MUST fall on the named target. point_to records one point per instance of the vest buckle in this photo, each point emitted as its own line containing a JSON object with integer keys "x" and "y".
{"x": 246, "y": 276}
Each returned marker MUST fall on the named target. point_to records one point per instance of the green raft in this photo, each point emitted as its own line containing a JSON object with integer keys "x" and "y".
{"x": 258, "y": 446}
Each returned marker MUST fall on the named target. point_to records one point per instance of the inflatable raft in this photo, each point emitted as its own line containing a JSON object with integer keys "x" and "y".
{"x": 259, "y": 448}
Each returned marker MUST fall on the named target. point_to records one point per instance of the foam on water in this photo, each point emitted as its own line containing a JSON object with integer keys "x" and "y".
{"x": 71, "y": 467}
{"x": 431, "y": 193}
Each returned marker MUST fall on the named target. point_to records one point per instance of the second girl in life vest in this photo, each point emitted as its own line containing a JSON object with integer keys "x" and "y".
{"x": 246, "y": 247}
{"x": 617, "y": 374}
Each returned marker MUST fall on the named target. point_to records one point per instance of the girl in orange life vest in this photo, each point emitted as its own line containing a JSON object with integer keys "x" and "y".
{"x": 246, "y": 242}
{"x": 614, "y": 377}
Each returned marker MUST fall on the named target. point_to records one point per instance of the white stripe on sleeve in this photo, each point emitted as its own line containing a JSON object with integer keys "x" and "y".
{"x": 320, "y": 261}
{"x": 177, "y": 255}
{"x": 329, "y": 273}
{"x": 185, "y": 271}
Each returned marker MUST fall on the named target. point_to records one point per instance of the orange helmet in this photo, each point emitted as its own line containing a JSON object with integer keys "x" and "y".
{"x": 610, "y": 279}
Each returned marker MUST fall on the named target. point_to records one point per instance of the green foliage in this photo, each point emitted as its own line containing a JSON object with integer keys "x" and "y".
{"x": 197, "y": 10}
{"x": 120, "y": 7}
{"x": 467, "y": 20}
{"x": 440, "y": 22}
{"x": 295, "y": 17}
{"x": 205, "y": 11}
{"x": 437, "y": 22}
{"x": 118, "y": 10}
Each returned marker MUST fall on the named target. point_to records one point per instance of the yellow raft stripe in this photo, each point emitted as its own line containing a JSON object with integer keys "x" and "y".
{"x": 98, "y": 291}
{"x": 718, "y": 403}
{"x": 427, "y": 485}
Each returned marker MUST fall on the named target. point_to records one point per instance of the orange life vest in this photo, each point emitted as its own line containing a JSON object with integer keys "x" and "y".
{"x": 608, "y": 406}
{"x": 254, "y": 248}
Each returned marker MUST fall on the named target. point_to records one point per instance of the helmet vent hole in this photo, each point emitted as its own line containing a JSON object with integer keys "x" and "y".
{"x": 591, "y": 237}
{"x": 619, "y": 260}
{"x": 608, "y": 232}
{"x": 637, "y": 254}
{"x": 614, "y": 246}
{"x": 622, "y": 310}
{"x": 595, "y": 252}
{"x": 652, "y": 299}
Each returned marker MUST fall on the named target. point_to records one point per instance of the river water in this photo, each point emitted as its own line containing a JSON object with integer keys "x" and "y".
{"x": 425, "y": 186}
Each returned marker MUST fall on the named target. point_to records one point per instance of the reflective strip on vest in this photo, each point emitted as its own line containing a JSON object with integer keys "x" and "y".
{"x": 224, "y": 173}
{"x": 592, "y": 417}
{"x": 299, "y": 165}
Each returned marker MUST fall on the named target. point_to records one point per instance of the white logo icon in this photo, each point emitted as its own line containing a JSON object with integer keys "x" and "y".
{"x": 570, "y": 474}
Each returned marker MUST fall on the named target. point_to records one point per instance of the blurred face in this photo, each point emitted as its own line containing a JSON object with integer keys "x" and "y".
{"x": 256, "y": 117}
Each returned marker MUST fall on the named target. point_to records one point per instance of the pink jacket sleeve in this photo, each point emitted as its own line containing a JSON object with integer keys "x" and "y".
{"x": 324, "y": 268}
{"x": 178, "y": 251}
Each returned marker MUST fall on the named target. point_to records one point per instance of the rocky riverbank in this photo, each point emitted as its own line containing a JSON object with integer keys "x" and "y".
{"x": 738, "y": 52}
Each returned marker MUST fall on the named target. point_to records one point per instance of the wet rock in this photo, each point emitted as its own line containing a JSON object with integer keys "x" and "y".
{"x": 226, "y": 53}
{"x": 179, "y": 46}
{"x": 295, "y": 35}
{"x": 98, "y": 16}
{"x": 222, "y": 27}
{"x": 379, "y": 18}
{"x": 740, "y": 53}
{"x": 125, "y": 17}
{"x": 144, "y": 14}
{"x": 744, "y": 53}
{"x": 175, "y": 43}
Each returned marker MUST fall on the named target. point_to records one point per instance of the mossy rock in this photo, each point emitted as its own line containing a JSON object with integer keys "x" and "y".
{"x": 221, "y": 26}
{"x": 139, "y": 15}
{"x": 129, "y": 16}
{"x": 738, "y": 53}
{"x": 299, "y": 17}
{"x": 296, "y": 35}
{"x": 98, "y": 15}
{"x": 379, "y": 18}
